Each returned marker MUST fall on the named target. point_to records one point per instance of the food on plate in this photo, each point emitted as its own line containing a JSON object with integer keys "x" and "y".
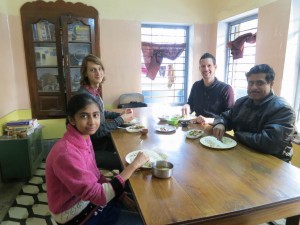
{"x": 213, "y": 142}
{"x": 136, "y": 127}
{"x": 163, "y": 129}
{"x": 195, "y": 133}
{"x": 153, "y": 157}
{"x": 133, "y": 121}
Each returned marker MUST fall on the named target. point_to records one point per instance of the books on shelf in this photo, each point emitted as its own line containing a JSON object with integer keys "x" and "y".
{"x": 21, "y": 128}
{"x": 25, "y": 122}
{"x": 43, "y": 31}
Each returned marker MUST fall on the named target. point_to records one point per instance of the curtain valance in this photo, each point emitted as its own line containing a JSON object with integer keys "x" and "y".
{"x": 154, "y": 53}
{"x": 237, "y": 46}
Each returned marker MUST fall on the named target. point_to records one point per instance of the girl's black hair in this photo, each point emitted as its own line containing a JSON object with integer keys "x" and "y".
{"x": 78, "y": 102}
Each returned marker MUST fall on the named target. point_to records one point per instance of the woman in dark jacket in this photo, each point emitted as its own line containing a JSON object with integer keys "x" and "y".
{"x": 92, "y": 76}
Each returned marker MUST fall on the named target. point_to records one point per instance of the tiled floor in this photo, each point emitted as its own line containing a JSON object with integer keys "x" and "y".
{"x": 8, "y": 192}
{"x": 31, "y": 204}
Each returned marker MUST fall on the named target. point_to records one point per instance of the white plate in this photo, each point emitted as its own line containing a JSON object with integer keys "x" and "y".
{"x": 154, "y": 156}
{"x": 212, "y": 142}
{"x": 164, "y": 118}
{"x": 188, "y": 118}
{"x": 135, "y": 128}
{"x": 194, "y": 134}
{"x": 165, "y": 128}
{"x": 132, "y": 122}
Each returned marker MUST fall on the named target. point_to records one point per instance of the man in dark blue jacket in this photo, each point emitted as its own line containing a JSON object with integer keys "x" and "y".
{"x": 209, "y": 97}
{"x": 261, "y": 120}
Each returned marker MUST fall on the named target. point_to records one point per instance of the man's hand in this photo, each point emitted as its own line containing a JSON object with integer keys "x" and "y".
{"x": 218, "y": 131}
{"x": 185, "y": 110}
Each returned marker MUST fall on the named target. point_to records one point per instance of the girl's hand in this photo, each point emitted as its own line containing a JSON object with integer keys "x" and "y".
{"x": 140, "y": 160}
{"x": 203, "y": 120}
{"x": 127, "y": 117}
{"x": 127, "y": 111}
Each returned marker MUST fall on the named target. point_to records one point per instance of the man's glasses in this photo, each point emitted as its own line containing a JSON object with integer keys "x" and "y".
{"x": 257, "y": 83}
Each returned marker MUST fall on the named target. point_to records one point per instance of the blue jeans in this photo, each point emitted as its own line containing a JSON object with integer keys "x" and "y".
{"x": 112, "y": 214}
{"x": 129, "y": 218}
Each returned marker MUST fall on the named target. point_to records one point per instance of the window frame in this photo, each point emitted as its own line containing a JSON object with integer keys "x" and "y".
{"x": 228, "y": 51}
{"x": 186, "y": 65}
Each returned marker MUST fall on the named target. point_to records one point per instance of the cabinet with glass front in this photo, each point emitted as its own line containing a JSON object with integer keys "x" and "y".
{"x": 56, "y": 41}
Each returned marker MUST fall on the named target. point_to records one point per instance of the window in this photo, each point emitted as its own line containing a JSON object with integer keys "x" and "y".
{"x": 168, "y": 85}
{"x": 236, "y": 68}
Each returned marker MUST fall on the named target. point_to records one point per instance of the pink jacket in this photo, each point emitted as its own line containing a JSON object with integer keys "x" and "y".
{"x": 72, "y": 174}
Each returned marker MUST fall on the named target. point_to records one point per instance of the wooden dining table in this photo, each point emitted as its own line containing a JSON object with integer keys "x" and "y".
{"x": 236, "y": 186}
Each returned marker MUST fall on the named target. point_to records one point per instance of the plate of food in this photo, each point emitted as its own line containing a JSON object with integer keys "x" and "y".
{"x": 153, "y": 155}
{"x": 135, "y": 128}
{"x": 194, "y": 134}
{"x": 132, "y": 122}
{"x": 213, "y": 142}
{"x": 165, "y": 128}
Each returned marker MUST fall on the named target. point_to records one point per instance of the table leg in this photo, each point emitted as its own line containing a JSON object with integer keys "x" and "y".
{"x": 294, "y": 220}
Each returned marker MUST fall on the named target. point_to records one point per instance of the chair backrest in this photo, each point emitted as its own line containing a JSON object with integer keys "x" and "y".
{"x": 132, "y": 100}
{"x": 131, "y": 97}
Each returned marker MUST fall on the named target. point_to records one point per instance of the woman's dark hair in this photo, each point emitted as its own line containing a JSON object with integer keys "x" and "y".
{"x": 78, "y": 102}
{"x": 208, "y": 56}
{"x": 262, "y": 68}
{"x": 83, "y": 70}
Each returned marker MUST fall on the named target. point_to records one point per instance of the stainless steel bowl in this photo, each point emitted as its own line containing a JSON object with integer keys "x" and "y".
{"x": 162, "y": 169}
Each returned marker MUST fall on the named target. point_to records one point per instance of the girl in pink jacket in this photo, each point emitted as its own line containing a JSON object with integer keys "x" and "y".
{"x": 77, "y": 192}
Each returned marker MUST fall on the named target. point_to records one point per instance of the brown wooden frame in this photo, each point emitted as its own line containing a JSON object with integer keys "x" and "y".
{"x": 57, "y": 13}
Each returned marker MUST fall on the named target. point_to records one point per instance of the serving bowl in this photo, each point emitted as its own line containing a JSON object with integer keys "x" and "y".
{"x": 184, "y": 123}
{"x": 162, "y": 169}
{"x": 173, "y": 121}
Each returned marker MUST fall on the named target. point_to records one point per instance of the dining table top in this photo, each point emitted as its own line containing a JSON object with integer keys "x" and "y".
{"x": 208, "y": 186}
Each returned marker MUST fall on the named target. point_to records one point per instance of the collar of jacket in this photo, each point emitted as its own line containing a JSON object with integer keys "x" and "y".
{"x": 212, "y": 84}
{"x": 74, "y": 137}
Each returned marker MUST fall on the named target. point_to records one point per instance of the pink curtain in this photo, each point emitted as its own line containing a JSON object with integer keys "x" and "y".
{"x": 237, "y": 46}
{"x": 154, "y": 53}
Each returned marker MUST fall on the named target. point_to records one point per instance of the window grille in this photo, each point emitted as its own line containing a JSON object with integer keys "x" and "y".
{"x": 169, "y": 85}
{"x": 236, "y": 69}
